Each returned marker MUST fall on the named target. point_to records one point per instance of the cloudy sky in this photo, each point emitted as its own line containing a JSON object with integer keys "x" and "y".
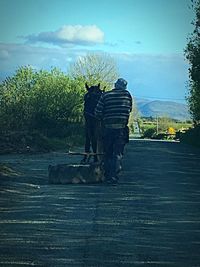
{"x": 146, "y": 37}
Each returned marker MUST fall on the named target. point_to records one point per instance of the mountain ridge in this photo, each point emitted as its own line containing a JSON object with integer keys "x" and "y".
{"x": 160, "y": 108}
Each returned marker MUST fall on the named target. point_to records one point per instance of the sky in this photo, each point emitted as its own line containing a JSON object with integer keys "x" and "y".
{"x": 146, "y": 38}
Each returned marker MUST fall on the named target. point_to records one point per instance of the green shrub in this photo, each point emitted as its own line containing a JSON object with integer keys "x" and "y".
{"x": 191, "y": 136}
{"x": 149, "y": 133}
{"x": 46, "y": 101}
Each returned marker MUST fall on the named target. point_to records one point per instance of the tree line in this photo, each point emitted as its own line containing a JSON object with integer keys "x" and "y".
{"x": 192, "y": 53}
{"x": 52, "y": 101}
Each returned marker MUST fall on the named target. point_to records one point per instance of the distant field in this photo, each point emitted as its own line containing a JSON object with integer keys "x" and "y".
{"x": 162, "y": 125}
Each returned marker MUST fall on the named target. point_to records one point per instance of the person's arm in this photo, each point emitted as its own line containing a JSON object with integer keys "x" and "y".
{"x": 99, "y": 108}
{"x": 131, "y": 102}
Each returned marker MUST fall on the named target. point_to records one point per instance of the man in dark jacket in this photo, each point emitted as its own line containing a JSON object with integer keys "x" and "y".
{"x": 114, "y": 108}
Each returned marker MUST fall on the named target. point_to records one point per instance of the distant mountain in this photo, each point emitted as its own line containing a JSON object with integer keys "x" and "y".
{"x": 159, "y": 108}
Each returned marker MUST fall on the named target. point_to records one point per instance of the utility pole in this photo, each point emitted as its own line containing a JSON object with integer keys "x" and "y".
{"x": 157, "y": 125}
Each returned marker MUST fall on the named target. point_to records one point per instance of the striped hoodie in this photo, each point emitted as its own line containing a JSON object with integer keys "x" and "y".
{"x": 114, "y": 108}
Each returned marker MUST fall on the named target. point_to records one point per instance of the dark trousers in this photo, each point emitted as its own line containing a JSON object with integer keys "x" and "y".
{"x": 114, "y": 141}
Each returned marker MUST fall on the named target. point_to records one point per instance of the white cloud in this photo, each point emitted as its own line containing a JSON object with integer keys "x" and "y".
{"x": 70, "y": 34}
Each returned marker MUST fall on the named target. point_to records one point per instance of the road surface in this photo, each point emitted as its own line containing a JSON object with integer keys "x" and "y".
{"x": 137, "y": 133}
{"x": 152, "y": 218}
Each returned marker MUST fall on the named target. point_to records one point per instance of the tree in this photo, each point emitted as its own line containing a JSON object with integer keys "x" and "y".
{"x": 192, "y": 53}
{"x": 134, "y": 115}
{"x": 14, "y": 99}
{"x": 94, "y": 69}
{"x": 47, "y": 101}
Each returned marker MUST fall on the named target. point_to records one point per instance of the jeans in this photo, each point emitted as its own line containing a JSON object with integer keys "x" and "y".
{"x": 114, "y": 141}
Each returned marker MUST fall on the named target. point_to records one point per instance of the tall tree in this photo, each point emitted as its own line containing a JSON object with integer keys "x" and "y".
{"x": 94, "y": 68}
{"x": 192, "y": 53}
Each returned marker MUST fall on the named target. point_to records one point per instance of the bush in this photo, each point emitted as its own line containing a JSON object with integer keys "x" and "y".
{"x": 39, "y": 107}
{"x": 149, "y": 133}
{"x": 45, "y": 101}
{"x": 191, "y": 136}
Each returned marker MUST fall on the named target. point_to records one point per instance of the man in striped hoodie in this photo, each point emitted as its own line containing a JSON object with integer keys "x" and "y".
{"x": 114, "y": 108}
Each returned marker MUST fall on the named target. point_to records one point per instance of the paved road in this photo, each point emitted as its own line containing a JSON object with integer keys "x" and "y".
{"x": 152, "y": 218}
{"x": 137, "y": 133}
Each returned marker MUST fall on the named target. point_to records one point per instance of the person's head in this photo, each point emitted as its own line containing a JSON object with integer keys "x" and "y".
{"x": 121, "y": 84}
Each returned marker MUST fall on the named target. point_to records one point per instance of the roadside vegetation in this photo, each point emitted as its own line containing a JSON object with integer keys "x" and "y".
{"x": 162, "y": 127}
{"x": 43, "y": 110}
{"x": 192, "y": 54}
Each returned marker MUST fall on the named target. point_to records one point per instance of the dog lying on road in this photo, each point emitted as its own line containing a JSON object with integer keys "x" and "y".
{"x": 76, "y": 173}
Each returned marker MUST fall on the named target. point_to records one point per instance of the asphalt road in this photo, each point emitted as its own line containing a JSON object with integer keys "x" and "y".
{"x": 151, "y": 218}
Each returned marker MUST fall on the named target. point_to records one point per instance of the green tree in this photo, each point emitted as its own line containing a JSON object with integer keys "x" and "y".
{"x": 164, "y": 123}
{"x": 134, "y": 116}
{"x": 192, "y": 53}
{"x": 15, "y": 108}
{"x": 95, "y": 68}
{"x": 48, "y": 101}
{"x": 57, "y": 101}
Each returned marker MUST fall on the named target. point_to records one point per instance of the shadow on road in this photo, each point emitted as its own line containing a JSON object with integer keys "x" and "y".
{"x": 150, "y": 219}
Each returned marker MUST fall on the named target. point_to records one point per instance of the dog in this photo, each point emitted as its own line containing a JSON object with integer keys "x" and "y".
{"x": 76, "y": 173}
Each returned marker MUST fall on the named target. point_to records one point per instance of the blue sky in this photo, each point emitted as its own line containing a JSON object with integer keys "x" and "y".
{"x": 146, "y": 38}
